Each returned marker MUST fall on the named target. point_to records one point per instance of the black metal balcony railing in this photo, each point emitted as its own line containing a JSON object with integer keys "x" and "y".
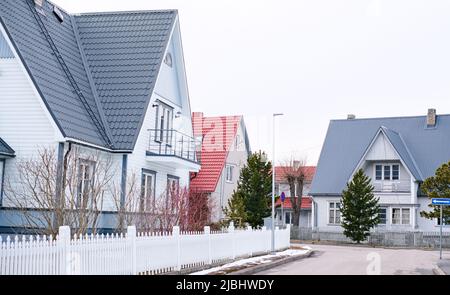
{"x": 392, "y": 186}
{"x": 169, "y": 142}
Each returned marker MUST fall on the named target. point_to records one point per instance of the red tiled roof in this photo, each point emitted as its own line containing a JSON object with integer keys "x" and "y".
{"x": 281, "y": 171}
{"x": 218, "y": 134}
{"x": 306, "y": 203}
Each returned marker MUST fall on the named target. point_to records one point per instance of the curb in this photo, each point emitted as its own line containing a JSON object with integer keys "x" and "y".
{"x": 262, "y": 267}
{"x": 438, "y": 271}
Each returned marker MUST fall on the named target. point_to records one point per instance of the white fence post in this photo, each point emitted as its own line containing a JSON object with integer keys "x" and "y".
{"x": 288, "y": 234}
{"x": 63, "y": 244}
{"x": 233, "y": 244}
{"x": 131, "y": 237}
{"x": 249, "y": 229}
{"x": 207, "y": 230}
{"x": 277, "y": 237}
{"x": 264, "y": 240}
{"x": 176, "y": 236}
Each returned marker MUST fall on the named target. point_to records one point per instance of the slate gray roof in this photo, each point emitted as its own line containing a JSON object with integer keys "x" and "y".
{"x": 113, "y": 57}
{"x": 5, "y": 149}
{"x": 422, "y": 149}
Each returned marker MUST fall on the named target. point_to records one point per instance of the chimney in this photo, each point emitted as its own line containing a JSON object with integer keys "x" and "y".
{"x": 351, "y": 117}
{"x": 431, "y": 118}
{"x": 197, "y": 115}
{"x": 39, "y": 3}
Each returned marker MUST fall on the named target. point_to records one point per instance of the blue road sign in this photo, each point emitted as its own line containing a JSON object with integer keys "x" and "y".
{"x": 445, "y": 202}
{"x": 283, "y": 196}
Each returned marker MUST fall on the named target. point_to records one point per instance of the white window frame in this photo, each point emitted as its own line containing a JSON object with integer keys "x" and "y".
{"x": 391, "y": 173}
{"x": 386, "y": 217}
{"x": 169, "y": 198}
{"x": 148, "y": 203}
{"x": 84, "y": 166}
{"x": 237, "y": 142}
{"x": 401, "y": 215}
{"x": 229, "y": 173}
{"x": 168, "y": 59}
{"x": 164, "y": 123}
{"x": 336, "y": 208}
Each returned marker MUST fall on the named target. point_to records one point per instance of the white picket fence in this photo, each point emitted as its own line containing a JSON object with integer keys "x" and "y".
{"x": 133, "y": 253}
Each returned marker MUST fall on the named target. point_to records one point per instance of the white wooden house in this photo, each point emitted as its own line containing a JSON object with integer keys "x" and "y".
{"x": 397, "y": 153}
{"x": 112, "y": 83}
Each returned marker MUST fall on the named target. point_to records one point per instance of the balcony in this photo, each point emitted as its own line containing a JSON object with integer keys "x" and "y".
{"x": 168, "y": 145}
{"x": 392, "y": 186}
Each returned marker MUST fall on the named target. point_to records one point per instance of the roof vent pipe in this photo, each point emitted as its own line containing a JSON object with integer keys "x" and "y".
{"x": 351, "y": 117}
{"x": 431, "y": 118}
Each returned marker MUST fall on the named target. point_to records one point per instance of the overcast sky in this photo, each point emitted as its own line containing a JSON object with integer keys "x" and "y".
{"x": 312, "y": 60}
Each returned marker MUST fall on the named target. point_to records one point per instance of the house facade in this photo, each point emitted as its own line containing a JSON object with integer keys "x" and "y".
{"x": 224, "y": 152}
{"x": 398, "y": 154}
{"x": 283, "y": 210}
{"x": 112, "y": 84}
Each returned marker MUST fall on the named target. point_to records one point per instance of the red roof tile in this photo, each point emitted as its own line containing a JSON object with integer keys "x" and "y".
{"x": 218, "y": 134}
{"x": 306, "y": 203}
{"x": 281, "y": 171}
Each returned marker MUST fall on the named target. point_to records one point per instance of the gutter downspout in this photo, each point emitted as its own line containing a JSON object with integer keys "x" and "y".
{"x": 59, "y": 176}
{"x": 2, "y": 184}
{"x": 123, "y": 183}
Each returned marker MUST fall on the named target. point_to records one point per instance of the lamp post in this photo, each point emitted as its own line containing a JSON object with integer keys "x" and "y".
{"x": 273, "y": 181}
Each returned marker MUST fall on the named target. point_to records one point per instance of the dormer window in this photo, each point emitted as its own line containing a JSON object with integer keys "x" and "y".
{"x": 387, "y": 172}
{"x": 5, "y": 51}
{"x": 168, "y": 59}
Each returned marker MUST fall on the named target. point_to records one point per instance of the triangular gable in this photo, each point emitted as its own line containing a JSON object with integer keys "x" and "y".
{"x": 402, "y": 150}
{"x": 392, "y": 147}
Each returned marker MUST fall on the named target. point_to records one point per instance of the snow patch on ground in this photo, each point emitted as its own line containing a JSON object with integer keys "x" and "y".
{"x": 254, "y": 261}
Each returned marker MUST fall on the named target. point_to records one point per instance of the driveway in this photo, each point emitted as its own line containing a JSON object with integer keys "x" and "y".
{"x": 351, "y": 260}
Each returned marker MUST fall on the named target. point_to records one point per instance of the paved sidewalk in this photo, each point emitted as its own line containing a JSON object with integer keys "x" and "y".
{"x": 444, "y": 266}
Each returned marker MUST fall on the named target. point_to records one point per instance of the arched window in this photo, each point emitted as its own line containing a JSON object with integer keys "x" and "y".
{"x": 168, "y": 59}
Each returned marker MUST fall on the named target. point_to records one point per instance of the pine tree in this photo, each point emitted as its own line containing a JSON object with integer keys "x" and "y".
{"x": 235, "y": 211}
{"x": 254, "y": 188}
{"x": 359, "y": 208}
{"x": 437, "y": 186}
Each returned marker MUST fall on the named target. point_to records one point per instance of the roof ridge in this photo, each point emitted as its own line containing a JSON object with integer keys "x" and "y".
{"x": 380, "y": 118}
{"x": 124, "y": 12}
{"x": 91, "y": 80}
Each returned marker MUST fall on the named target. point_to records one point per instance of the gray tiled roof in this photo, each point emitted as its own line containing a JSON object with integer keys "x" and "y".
{"x": 422, "y": 149}
{"x": 5, "y": 149}
{"x": 113, "y": 57}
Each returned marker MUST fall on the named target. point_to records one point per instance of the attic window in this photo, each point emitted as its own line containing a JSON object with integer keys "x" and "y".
{"x": 58, "y": 14}
{"x": 5, "y": 51}
{"x": 168, "y": 59}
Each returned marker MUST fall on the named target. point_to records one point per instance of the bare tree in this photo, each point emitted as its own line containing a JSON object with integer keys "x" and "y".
{"x": 129, "y": 206}
{"x": 199, "y": 210}
{"x": 295, "y": 172}
{"x": 86, "y": 177}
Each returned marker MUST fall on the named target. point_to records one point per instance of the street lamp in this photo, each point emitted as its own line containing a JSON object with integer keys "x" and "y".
{"x": 273, "y": 181}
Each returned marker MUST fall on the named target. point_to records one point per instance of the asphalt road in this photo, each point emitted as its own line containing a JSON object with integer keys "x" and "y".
{"x": 350, "y": 260}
